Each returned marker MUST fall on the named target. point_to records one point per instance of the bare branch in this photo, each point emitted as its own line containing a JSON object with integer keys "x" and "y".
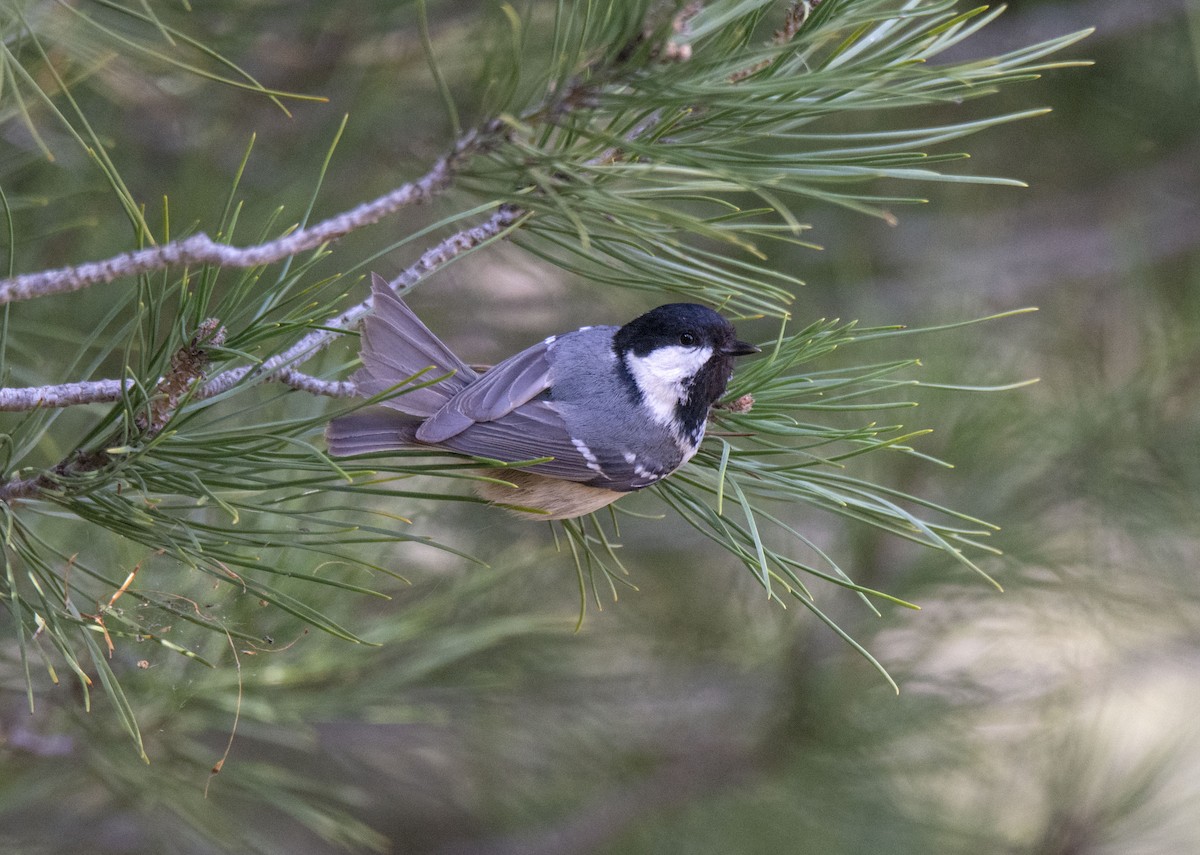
{"x": 307, "y": 383}
{"x": 64, "y": 395}
{"x": 506, "y": 217}
{"x": 24, "y": 399}
{"x": 201, "y": 249}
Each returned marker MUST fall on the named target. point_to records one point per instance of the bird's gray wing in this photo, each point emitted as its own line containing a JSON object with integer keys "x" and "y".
{"x": 497, "y": 393}
{"x": 537, "y": 430}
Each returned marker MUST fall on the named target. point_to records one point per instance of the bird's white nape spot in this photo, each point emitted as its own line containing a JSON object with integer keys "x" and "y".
{"x": 663, "y": 376}
{"x": 549, "y": 339}
{"x": 590, "y": 459}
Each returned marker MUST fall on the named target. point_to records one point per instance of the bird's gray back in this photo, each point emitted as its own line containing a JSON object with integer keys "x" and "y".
{"x": 630, "y": 449}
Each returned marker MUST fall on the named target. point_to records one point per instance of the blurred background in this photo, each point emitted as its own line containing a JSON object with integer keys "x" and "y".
{"x": 691, "y": 715}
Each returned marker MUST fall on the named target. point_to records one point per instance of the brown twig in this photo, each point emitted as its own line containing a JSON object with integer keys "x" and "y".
{"x": 187, "y": 367}
{"x": 797, "y": 13}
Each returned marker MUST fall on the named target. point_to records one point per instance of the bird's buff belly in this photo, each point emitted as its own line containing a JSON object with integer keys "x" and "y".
{"x": 526, "y": 494}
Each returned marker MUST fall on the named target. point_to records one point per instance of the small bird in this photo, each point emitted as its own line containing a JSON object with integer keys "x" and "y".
{"x": 615, "y": 408}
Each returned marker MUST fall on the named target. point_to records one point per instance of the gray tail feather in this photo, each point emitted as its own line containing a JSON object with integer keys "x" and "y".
{"x": 397, "y": 346}
{"x": 373, "y": 429}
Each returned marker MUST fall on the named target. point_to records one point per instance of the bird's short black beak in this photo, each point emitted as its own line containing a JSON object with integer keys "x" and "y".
{"x": 740, "y": 348}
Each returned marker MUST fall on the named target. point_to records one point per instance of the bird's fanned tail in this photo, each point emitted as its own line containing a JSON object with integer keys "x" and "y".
{"x": 396, "y": 345}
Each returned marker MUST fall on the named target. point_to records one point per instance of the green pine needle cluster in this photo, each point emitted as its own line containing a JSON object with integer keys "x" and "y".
{"x": 716, "y": 151}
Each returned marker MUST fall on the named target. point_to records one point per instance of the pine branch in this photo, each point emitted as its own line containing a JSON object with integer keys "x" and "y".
{"x": 20, "y": 399}
{"x": 201, "y": 249}
{"x": 57, "y": 396}
{"x": 278, "y": 368}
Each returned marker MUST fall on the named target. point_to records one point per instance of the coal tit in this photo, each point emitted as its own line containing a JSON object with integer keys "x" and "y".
{"x": 617, "y": 409}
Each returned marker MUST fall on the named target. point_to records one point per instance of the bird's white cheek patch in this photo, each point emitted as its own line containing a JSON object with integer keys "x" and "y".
{"x": 663, "y": 376}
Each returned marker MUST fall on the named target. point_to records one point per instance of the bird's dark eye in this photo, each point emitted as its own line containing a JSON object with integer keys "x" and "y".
{"x": 687, "y": 339}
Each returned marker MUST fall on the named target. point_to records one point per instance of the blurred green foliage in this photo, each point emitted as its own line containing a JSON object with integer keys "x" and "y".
{"x": 692, "y": 715}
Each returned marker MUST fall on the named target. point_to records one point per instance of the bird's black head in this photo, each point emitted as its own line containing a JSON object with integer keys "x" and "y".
{"x": 680, "y": 324}
{"x": 679, "y": 358}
